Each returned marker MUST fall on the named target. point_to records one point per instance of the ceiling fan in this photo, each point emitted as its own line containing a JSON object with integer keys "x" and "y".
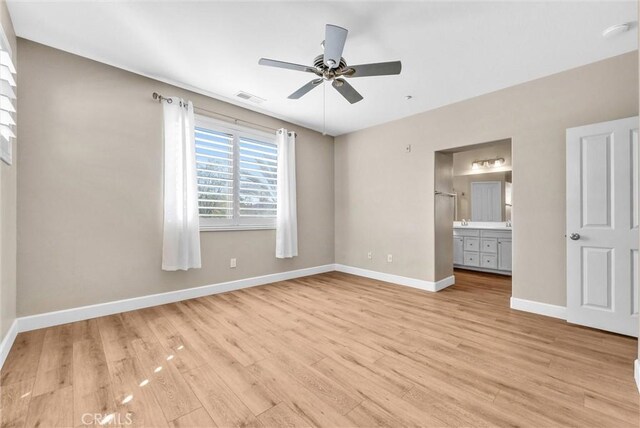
{"x": 331, "y": 67}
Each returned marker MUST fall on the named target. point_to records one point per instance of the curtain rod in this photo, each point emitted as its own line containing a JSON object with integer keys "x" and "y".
{"x": 160, "y": 98}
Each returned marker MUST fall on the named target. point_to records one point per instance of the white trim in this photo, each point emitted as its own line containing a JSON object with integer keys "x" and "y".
{"x": 231, "y": 228}
{"x": 636, "y": 372}
{"x": 539, "y": 308}
{"x": 230, "y": 127}
{"x": 65, "y": 316}
{"x": 49, "y": 319}
{"x": 397, "y": 279}
{"x": 7, "y": 341}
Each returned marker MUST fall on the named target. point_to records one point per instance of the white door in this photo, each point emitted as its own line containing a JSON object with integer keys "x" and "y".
{"x": 486, "y": 201}
{"x": 602, "y": 226}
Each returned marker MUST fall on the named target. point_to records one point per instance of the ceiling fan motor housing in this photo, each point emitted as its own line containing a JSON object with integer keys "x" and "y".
{"x": 329, "y": 73}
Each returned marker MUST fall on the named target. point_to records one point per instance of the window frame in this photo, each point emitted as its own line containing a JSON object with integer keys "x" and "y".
{"x": 237, "y": 131}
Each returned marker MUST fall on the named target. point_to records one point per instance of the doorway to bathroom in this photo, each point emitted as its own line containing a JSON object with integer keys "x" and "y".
{"x": 474, "y": 212}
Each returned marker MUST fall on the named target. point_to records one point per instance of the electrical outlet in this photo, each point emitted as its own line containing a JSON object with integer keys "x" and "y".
{"x": 389, "y": 258}
{"x": 232, "y": 263}
{"x": 370, "y": 255}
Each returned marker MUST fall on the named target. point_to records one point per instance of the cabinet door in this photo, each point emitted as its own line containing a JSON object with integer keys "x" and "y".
{"x": 458, "y": 250}
{"x": 504, "y": 254}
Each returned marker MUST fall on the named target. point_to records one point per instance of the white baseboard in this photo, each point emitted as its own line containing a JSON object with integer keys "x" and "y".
{"x": 636, "y": 373}
{"x": 539, "y": 308}
{"x": 397, "y": 279}
{"x": 7, "y": 342}
{"x": 49, "y": 319}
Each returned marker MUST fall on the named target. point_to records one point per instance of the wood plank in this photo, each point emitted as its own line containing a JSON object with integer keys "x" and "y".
{"x": 14, "y": 403}
{"x": 135, "y": 401}
{"x": 51, "y": 409}
{"x": 172, "y": 341}
{"x": 169, "y": 387}
{"x": 306, "y": 403}
{"x": 22, "y": 362}
{"x": 91, "y": 383}
{"x": 224, "y": 407}
{"x": 197, "y": 418}
{"x": 283, "y": 417}
{"x": 56, "y": 362}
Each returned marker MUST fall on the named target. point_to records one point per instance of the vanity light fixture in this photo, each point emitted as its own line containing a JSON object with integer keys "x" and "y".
{"x": 487, "y": 163}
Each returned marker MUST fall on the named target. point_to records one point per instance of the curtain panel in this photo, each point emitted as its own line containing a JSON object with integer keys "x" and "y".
{"x": 286, "y": 214}
{"x": 181, "y": 235}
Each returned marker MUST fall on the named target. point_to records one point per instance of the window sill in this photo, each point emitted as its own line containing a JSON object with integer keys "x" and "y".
{"x": 235, "y": 228}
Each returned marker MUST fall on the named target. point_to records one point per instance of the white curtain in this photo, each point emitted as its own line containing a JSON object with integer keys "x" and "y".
{"x": 181, "y": 238}
{"x": 287, "y": 217}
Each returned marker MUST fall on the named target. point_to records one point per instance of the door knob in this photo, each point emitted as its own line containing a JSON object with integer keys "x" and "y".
{"x": 574, "y": 236}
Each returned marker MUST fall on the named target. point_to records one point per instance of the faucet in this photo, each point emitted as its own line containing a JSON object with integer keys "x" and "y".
{"x": 508, "y": 223}
{"x": 464, "y": 222}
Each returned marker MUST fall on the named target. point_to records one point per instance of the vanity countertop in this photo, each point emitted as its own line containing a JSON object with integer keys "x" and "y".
{"x": 481, "y": 225}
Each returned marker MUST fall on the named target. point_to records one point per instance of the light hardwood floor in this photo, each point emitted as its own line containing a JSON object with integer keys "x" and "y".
{"x": 329, "y": 350}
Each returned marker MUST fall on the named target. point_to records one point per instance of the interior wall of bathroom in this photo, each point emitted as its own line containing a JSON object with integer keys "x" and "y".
{"x": 465, "y": 156}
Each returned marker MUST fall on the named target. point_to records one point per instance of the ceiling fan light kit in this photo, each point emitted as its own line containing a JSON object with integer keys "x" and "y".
{"x": 332, "y": 67}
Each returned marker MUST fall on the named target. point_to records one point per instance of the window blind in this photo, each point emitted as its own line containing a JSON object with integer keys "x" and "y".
{"x": 7, "y": 98}
{"x": 237, "y": 170}
{"x": 258, "y": 178}
{"x": 215, "y": 170}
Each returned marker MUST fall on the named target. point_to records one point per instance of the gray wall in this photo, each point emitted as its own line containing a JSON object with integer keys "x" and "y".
{"x": 8, "y": 192}
{"x": 384, "y": 196}
{"x": 90, "y": 186}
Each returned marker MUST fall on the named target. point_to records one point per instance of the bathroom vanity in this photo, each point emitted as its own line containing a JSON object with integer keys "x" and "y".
{"x": 482, "y": 246}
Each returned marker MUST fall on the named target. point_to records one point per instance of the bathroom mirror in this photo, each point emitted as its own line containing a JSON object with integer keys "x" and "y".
{"x": 482, "y": 182}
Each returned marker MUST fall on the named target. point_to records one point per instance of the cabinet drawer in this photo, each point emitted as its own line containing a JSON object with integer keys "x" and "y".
{"x": 489, "y": 261}
{"x": 465, "y": 232}
{"x": 506, "y": 234}
{"x": 489, "y": 245}
{"x": 471, "y": 259}
{"x": 471, "y": 244}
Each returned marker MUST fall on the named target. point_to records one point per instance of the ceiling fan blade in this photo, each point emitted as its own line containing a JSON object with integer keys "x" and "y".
{"x": 334, "y": 40}
{"x": 306, "y": 88}
{"x": 287, "y": 65}
{"x": 347, "y": 91}
{"x": 375, "y": 69}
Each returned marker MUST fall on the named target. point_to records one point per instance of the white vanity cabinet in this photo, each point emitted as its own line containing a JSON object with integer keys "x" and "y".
{"x": 458, "y": 250}
{"x": 504, "y": 254}
{"x": 484, "y": 249}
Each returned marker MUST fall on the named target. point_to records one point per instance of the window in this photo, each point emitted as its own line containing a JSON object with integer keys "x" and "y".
{"x": 237, "y": 176}
{"x": 7, "y": 97}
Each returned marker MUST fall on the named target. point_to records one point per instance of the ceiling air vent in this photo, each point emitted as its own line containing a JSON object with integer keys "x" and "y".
{"x": 250, "y": 97}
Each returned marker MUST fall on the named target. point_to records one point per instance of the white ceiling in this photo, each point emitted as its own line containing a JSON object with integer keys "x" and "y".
{"x": 450, "y": 51}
